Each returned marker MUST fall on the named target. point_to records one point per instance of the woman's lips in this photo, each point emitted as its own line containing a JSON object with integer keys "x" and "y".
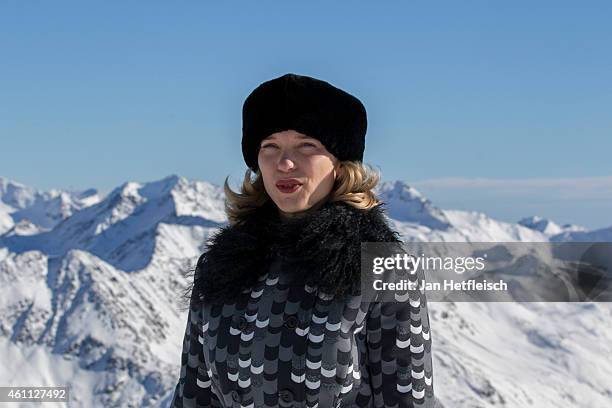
{"x": 288, "y": 189}
{"x": 288, "y": 186}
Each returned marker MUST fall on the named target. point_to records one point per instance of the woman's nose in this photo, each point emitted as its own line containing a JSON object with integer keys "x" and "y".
{"x": 286, "y": 163}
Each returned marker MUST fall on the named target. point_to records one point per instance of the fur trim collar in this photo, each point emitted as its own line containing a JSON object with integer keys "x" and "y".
{"x": 326, "y": 241}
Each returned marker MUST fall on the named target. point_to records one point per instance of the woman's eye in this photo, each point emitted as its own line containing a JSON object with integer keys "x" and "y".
{"x": 306, "y": 144}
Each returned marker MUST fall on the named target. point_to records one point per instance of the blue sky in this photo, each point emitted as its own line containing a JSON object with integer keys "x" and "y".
{"x": 93, "y": 94}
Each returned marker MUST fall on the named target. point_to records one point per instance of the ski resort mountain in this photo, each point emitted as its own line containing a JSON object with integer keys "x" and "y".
{"x": 90, "y": 296}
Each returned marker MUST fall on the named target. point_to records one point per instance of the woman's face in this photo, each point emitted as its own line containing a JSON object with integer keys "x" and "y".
{"x": 293, "y": 155}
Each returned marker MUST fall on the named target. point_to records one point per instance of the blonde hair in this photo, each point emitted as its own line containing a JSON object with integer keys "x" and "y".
{"x": 354, "y": 184}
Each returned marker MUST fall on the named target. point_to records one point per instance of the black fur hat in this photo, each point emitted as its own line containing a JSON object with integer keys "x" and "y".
{"x": 309, "y": 106}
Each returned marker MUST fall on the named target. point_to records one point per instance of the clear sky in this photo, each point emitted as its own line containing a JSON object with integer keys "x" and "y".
{"x": 93, "y": 94}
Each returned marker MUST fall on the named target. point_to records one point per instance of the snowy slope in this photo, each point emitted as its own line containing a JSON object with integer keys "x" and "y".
{"x": 599, "y": 235}
{"x": 93, "y": 300}
{"x": 121, "y": 229}
{"x": 547, "y": 226}
{"x": 41, "y": 210}
{"x": 98, "y": 318}
{"x": 477, "y": 226}
{"x": 522, "y": 354}
{"x": 417, "y": 219}
{"x": 405, "y": 204}
{"x": 6, "y": 221}
{"x": 101, "y": 291}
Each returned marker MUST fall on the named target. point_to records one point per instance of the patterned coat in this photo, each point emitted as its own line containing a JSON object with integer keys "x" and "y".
{"x": 277, "y": 318}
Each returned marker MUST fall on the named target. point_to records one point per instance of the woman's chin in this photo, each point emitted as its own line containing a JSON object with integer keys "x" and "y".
{"x": 291, "y": 209}
{"x": 291, "y": 206}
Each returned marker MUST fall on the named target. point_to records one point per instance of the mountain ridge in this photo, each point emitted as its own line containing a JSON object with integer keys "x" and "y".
{"x": 97, "y": 293}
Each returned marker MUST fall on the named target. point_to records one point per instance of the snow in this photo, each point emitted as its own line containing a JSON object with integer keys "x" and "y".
{"x": 406, "y": 204}
{"x": 599, "y": 235}
{"x": 6, "y": 221}
{"x": 547, "y": 226}
{"x": 33, "y": 365}
{"x": 90, "y": 295}
{"x": 522, "y": 354}
{"x": 478, "y": 227}
{"x": 43, "y": 209}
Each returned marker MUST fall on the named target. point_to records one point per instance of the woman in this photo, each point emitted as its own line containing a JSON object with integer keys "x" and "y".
{"x": 277, "y": 316}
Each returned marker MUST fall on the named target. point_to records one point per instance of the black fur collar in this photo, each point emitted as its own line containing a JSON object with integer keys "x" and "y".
{"x": 327, "y": 241}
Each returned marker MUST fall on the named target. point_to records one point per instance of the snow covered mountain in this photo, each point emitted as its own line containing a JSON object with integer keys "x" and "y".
{"x": 39, "y": 210}
{"x": 598, "y": 235}
{"x": 417, "y": 219}
{"x": 547, "y": 226}
{"x": 90, "y": 296}
{"x": 406, "y": 205}
{"x": 567, "y": 232}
